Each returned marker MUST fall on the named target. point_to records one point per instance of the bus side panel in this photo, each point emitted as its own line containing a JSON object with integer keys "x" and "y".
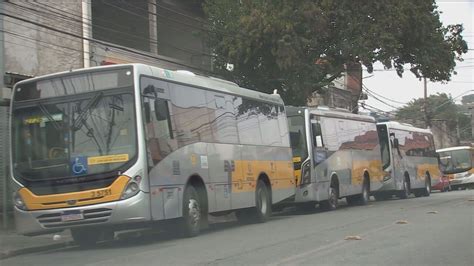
{"x": 168, "y": 179}
{"x": 222, "y": 166}
{"x": 274, "y": 162}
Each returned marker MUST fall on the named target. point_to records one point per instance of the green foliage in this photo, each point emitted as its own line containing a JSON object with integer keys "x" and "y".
{"x": 299, "y": 46}
{"x": 439, "y": 107}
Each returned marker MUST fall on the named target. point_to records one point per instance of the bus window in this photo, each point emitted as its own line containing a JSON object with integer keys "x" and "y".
{"x": 159, "y": 129}
{"x": 319, "y": 153}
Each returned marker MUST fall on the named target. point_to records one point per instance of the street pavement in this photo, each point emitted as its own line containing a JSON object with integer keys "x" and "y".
{"x": 435, "y": 230}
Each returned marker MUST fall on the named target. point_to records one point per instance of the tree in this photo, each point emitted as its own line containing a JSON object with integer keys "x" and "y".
{"x": 439, "y": 107}
{"x": 300, "y": 46}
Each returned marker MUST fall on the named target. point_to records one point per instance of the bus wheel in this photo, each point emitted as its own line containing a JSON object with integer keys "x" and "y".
{"x": 427, "y": 189}
{"x": 86, "y": 237}
{"x": 191, "y": 221}
{"x": 331, "y": 203}
{"x": 360, "y": 199}
{"x": 263, "y": 209}
{"x": 405, "y": 193}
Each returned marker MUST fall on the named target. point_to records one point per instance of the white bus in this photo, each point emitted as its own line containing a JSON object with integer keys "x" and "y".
{"x": 409, "y": 160}
{"x": 108, "y": 148}
{"x": 456, "y": 164}
{"x": 336, "y": 155}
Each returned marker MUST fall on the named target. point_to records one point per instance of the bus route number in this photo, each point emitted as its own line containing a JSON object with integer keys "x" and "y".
{"x": 101, "y": 193}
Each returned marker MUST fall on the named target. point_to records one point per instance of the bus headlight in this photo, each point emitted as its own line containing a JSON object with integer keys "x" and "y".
{"x": 132, "y": 188}
{"x": 18, "y": 201}
{"x": 306, "y": 174}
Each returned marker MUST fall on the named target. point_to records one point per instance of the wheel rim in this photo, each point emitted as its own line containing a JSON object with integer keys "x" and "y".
{"x": 262, "y": 201}
{"x": 405, "y": 188}
{"x": 428, "y": 187}
{"x": 194, "y": 212}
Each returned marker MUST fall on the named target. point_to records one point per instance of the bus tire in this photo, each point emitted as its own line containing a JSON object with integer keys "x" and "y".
{"x": 263, "y": 206}
{"x": 331, "y": 203}
{"x": 405, "y": 193}
{"x": 427, "y": 189}
{"x": 86, "y": 237}
{"x": 190, "y": 225}
{"x": 362, "y": 198}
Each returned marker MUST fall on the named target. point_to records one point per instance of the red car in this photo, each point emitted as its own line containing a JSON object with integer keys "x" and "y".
{"x": 442, "y": 185}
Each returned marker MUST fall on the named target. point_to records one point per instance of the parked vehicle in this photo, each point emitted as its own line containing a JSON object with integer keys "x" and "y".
{"x": 456, "y": 163}
{"x": 336, "y": 155}
{"x": 409, "y": 160}
{"x": 109, "y": 148}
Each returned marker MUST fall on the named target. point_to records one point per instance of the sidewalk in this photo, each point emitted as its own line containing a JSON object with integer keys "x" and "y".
{"x": 13, "y": 244}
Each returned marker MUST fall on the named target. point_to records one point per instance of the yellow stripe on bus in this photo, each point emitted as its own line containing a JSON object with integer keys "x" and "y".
{"x": 373, "y": 167}
{"x": 433, "y": 169}
{"x": 245, "y": 176}
{"x": 72, "y": 199}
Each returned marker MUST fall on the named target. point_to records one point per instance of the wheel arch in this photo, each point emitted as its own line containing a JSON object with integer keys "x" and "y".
{"x": 197, "y": 182}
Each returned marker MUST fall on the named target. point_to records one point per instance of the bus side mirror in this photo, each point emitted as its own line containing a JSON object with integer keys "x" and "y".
{"x": 146, "y": 106}
{"x": 395, "y": 143}
{"x": 161, "y": 109}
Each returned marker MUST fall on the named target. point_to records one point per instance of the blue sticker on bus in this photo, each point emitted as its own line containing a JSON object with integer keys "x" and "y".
{"x": 79, "y": 165}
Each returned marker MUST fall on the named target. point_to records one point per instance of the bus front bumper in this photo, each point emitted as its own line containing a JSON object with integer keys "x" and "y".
{"x": 133, "y": 210}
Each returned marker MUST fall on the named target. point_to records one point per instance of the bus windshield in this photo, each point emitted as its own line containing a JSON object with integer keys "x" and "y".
{"x": 455, "y": 161}
{"x": 80, "y": 135}
{"x": 298, "y": 137}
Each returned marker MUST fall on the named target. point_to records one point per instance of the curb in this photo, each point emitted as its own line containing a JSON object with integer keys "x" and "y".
{"x": 12, "y": 253}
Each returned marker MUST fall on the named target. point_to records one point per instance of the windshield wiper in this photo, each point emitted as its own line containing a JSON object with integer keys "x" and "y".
{"x": 91, "y": 104}
{"x": 49, "y": 116}
{"x": 81, "y": 119}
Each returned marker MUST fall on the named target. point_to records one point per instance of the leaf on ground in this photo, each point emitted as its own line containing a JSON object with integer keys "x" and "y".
{"x": 353, "y": 238}
{"x": 432, "y": 212}
{"x": 470, "y": 200}
{"x": 402, "y": 222}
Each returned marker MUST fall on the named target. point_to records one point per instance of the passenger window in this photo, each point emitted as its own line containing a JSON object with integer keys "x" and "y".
{"x": 317, "y": 135}
{"x": 319, "y": 152}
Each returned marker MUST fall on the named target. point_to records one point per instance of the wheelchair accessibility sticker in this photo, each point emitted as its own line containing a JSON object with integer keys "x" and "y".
{"x": 79, "y": 165}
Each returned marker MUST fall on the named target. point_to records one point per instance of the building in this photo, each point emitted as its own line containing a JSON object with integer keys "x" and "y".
{"x": 47, "y": 36}
{"x": 344, "y": 92}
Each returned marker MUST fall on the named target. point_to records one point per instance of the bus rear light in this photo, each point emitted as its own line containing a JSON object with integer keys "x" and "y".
{"x": 18, "y": 201}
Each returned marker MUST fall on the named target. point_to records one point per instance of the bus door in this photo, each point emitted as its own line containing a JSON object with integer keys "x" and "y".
{"x": 398, "y": 168}
{"x": 319, "y": 153}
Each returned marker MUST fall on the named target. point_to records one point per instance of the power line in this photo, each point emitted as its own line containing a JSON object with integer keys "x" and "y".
{"x": 70, "y": 20}
{"x": 130, "y": 50}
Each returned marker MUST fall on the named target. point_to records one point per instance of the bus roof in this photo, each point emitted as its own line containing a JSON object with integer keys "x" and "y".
{"x": 458, "y": 148}
{"x": 406, "y": 127}
{"x": 329, "y": 112}
{"x": 178, "y": 76}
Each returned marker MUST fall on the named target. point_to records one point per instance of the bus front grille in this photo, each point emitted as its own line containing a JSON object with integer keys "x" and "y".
{"x": 92, "y": 216}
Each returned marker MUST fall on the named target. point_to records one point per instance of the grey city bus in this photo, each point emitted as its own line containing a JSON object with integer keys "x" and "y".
{"x": 117, "y": 147}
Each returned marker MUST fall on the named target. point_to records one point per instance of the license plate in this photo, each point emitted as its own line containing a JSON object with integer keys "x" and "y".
{"x": 68, "y": 216}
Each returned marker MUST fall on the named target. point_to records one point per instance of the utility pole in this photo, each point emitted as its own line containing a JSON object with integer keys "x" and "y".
{"x": 425, "y": 102}
{"x": 3, "y": 154}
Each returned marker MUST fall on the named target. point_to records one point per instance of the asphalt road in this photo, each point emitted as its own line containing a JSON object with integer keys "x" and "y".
{"x": 435, "y": 230}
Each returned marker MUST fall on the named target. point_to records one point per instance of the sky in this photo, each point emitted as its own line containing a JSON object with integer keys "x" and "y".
{"x": 394, "y": 91}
